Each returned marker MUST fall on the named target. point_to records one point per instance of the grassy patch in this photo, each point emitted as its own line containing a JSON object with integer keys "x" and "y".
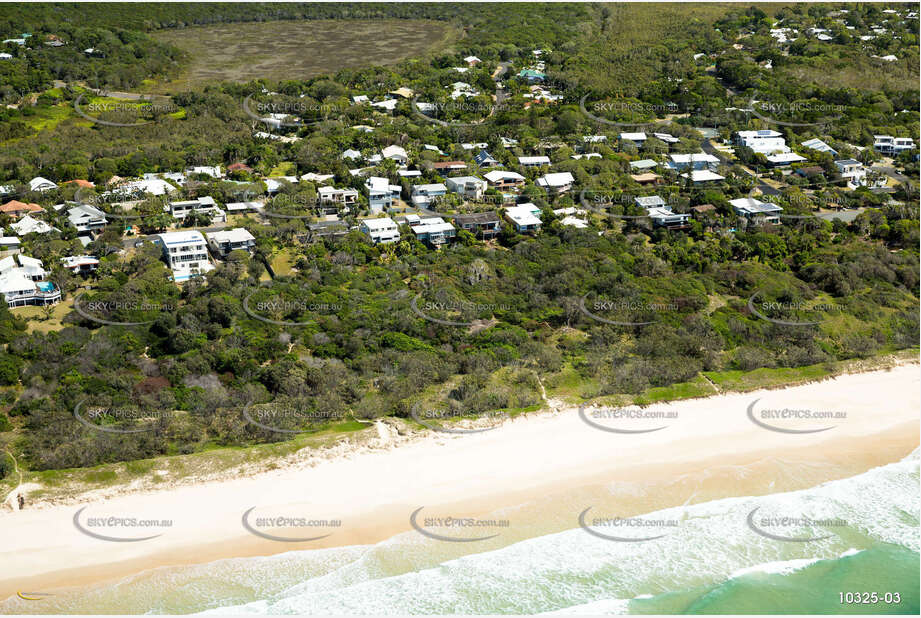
{"x": 277, "y": 50}
{"x": 285, "y": 168}
{"x": 36, "y": 316}
{"x": 282, "y": 263}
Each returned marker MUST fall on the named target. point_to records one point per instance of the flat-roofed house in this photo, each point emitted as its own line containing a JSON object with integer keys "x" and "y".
{"x": 380, "y": 196}
{"x": 483, "y": 225}
{"x": 223, "y": 242}
{"x": 381, "y": 231}
{"x": 853, "y": 171}
{"x": 763, "y": 141}
{"x": 203, "y": 205}
{"x": 886, "y": 144}
{"x": 80, "y": 264}
{"x": 534, "y": 161}
{"x": 432, "y": 230}
{"x": 471, "y": 187}
{"x": 424, "y": 195}
{"x": 525, "y": 218}
{"x": 23, "y": 283}
{"x": 755, "y": 210}
{"x": 186, "y": 254}
{"x": 503, "y": 180}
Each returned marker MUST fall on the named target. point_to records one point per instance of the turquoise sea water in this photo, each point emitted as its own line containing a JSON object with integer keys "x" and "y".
{"x": 711, "y": 563}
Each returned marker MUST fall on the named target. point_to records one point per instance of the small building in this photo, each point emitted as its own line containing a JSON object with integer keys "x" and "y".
{"x": 693, "y": 161}
{"x": 10, "y": 243}
{"x": 646, "y": 179}
{"x": 381, "y": 231}
{"x": 525, "y": 218}
{"x": 637, "y": 139}
{"x": 470, "y": 187}
{"x": 530, "y": 75}
{"x": 853, "y": 171}
{"x": 185, "y": 253}
{"x": 41, "y": 184}
{"x": 338, "y": 197}
{"x": 224, "y": 241}
{"x": 424, "y": 195}
{"x": 484, "y": 225}
{"x": 396, "y": 153}
{"x": 784, "y": 159}
{"x": 643, "y": 164}
{"x": 702, "y": 176}
{"x": 450, "y": 166}
{"x": 764, "y": 141}
{"x": 484, "y": 159}
{"x": 28, "y": 225}
{"x": 664, "y": 217}
{"x": 380, "y": 194}
{"x": 819, "y": 145}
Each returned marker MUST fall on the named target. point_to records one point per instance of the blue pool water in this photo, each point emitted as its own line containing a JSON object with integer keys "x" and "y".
{"x": 45, "y": 286}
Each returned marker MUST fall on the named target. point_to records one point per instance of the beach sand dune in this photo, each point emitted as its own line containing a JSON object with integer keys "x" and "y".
{"x": 728, "y": 445}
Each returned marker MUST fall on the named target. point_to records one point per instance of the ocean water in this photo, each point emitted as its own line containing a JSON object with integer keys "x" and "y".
{"x": 712, "y": 562}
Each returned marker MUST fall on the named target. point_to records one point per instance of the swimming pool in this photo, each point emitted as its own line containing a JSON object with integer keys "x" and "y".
{"x": 45, "y": 286}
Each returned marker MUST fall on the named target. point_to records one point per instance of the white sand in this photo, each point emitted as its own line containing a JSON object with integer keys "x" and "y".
{"x": 374, "y": 492}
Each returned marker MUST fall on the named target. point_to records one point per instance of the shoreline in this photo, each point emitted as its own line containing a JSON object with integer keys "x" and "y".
{"x": 550, "y": 457}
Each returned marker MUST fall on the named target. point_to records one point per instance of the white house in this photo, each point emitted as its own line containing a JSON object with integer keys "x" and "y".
{"x": 397, "y": 153}
{"x": 422, "y": 195}
{"x": 433, "y": 230}
{"x": 817, "y": 144}
{"x": 23, "y": 283}
{"x": 41, "y": 184}
{"x": 380, "y": 196}
{"x": 783, "y": 159}
{"x": 754, "y": 209}
{"x": 381, "y": 231}
{"x": 204, "y": 205}
{"x": 471, "y": 187}
{"x": 694, "y": 161}
{"x": 186, "y": 254}
{"x": 886, "y": 144}
{"x": 472, "y": 60}
{"x": 556, "y": 183}
{"x": 664, "y": 217}
{"x": 764, "y": 141}
{"x": 524, "y": 217}
{"x": 80, "y": 264}
{"x": 331, "y": 195}
{"x": 504, "y": 180}
{"x": 86, "y": 218}
{"x": 637, "y": 139}
{"x": 701, "y": 176}
{"x": 350, "y": 154}
{"x": 28, "y": 225}
{"x": 533, "y": 161}
{"x": 224, "y": 241}
{"x": 853, "y": 171}
{"x": 214, "y": 171}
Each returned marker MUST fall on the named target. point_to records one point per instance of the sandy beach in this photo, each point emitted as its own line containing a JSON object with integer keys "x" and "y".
{"x": 873, "y": 419}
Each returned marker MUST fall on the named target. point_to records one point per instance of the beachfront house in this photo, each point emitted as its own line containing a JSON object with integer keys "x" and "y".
{"x": 185, "y": 253}
{"x": 525, "y": 218}
{"x": 80, "y": 264}
{"x": 381, "y": 231}
{"x": 202, "y": 205}
{"x": 23, "y": 282}
{"x": 223, "y": 242}
{"x": 484, "y": 225}
{"x": 470, "y": 187}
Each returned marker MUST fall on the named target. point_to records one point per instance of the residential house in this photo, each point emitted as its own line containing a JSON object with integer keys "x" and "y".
{"x": 23, "y": 283}
{"x": 817, "y": 144}
{"x": 755, "y": 210}
{"x": 424, "y": 195}
{"x": 664, "y": 217}
{"x": 784, "y": 159}
{"x": 223, "y": 242}
{"x": 525, "y": 218}
{"x": 693, "y": 161}
{"x": 80, "y": 264}
{"x": 484, "y": 159}
{"x": 530, "y": 75}
{"x": 483, "y": 225}
{"x": 448, "y": 166}
{"x": 339, "y": 198}
{"x": 702, "y": 176}
{"x": 277, "y": 183}
{"x": 472, "y": 60}
{"x": 86, "y": 218}
{"x": 650, "y": 201}
{"x": 10, "y": 243}
{"x": 41, "y": 184}
{"x": 470, "y": 187}
{"x": 16, "y": 209}
{"x": 350, "y": 154}
{"x": 185, "y": 253}
{"x": 853, "y": 171}
{"x": 397, "y": 153}
{"x": 432, "y": 230}
{"x": 764, "y": 141}
{"x": 502, "y": 180}
{"x": 214, "y": 171}
{"x": 381, "y": 231}
{"x": 637, "y": 139}
{"x": 534, "y": 161}
{"x": 643, "y": 164}
{"x": 556, "y": 183}
{"x": 380, "y": 194}
{"x": 202, "y": 205}
{"x": 28, "y": 225}
{"x": 888, "y": 145}
{"x": 647, "y": 179}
